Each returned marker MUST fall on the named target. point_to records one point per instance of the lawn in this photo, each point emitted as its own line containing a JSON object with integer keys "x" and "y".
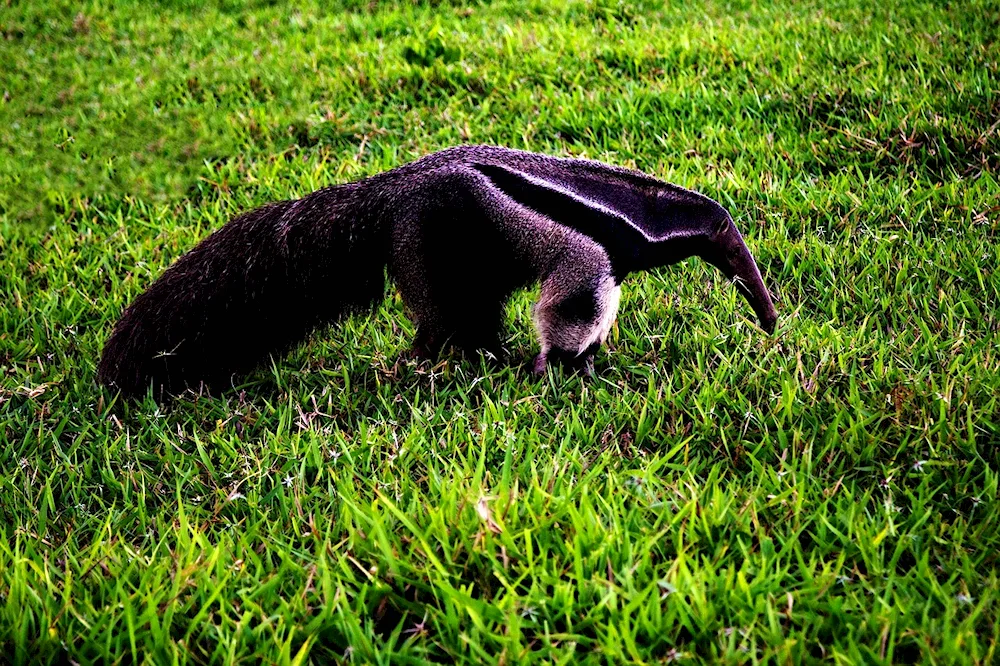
{"x": 715, "y": 495}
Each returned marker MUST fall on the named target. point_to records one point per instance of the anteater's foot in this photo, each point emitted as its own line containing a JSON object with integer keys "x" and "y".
{"x": 579, "y": 363}
{"x": 430, "y": 345}
{"x": 540, "y": 363}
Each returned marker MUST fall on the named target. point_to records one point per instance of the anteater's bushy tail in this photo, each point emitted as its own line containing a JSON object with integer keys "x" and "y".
{"x": 255, "y": 287}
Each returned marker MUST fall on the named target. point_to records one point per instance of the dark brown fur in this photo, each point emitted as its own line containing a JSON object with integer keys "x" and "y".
{"x": 459, "y": 231}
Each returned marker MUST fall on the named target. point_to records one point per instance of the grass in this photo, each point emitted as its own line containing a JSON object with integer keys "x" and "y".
{"x": 826, "y": 494}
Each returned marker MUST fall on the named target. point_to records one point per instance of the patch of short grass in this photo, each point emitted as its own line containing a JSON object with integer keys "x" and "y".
{"x": 715, "y": 495}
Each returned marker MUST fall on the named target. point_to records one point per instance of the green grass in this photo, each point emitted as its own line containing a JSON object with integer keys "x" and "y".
{"x": 825, "y": 494}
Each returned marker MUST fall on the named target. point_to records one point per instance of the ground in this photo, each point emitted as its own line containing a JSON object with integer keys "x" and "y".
{"x": 715, "y": 494}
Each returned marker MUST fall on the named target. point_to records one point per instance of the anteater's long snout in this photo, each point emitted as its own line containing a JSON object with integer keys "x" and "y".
{"x": 730, "y": 254}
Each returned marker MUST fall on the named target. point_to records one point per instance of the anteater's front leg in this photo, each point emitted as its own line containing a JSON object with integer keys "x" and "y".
{"x": 577, "y": 307}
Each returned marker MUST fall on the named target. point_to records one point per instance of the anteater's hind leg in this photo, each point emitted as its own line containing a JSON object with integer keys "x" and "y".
{"x": 450, "y": 308}
{"x": 578, "y": 306}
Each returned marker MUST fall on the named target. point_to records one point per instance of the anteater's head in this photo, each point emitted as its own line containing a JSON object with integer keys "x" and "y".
{"x": 726, "y": 250}
{"x": 682, "y": 224}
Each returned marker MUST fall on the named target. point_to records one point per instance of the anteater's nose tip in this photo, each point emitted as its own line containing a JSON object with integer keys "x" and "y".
{"x": 769, "y": 323}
